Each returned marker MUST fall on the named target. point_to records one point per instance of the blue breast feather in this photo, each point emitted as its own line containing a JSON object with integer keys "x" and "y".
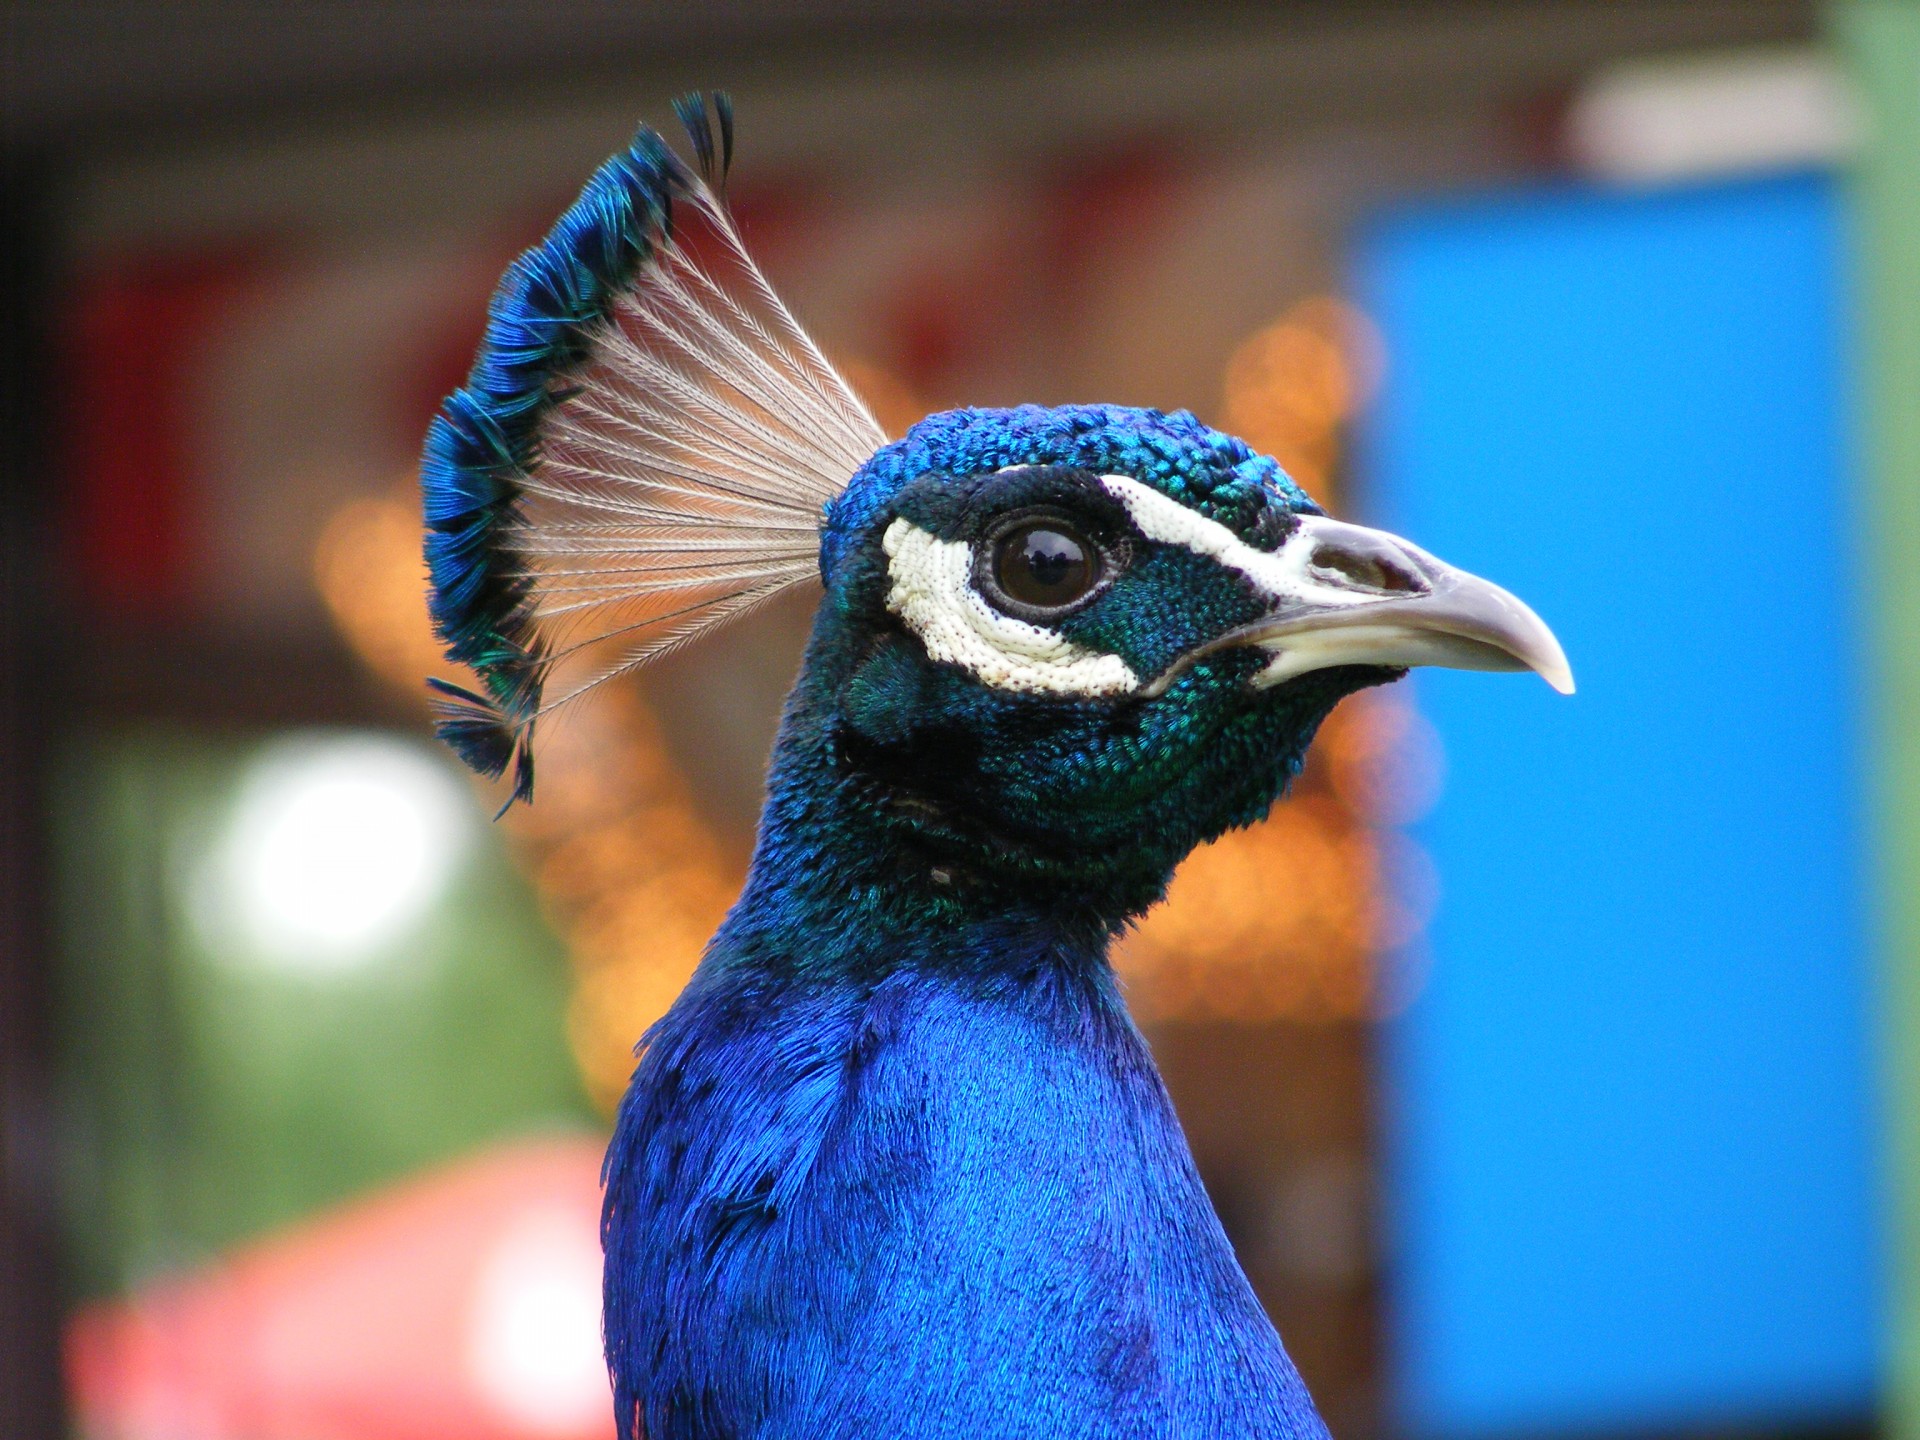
{"x": 938, "y": 1207}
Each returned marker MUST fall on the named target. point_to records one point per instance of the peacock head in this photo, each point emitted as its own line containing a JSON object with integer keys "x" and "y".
{"x": 1066, "y": 646}
{"x": 1058, "y": 647}
{"x": 1069, "y": 644}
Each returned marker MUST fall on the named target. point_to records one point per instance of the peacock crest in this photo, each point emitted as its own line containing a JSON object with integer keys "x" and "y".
{"x": 642, "y": 452}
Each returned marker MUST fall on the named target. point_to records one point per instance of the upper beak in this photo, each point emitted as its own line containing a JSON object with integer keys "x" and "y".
{"x": 1348, "y": 595}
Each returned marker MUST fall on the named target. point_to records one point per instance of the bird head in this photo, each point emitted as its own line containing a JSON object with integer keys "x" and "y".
{"x": 1061, "y": 647}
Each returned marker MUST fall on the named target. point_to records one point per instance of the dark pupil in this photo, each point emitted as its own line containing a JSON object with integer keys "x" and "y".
{"x": 1044, "y": 565}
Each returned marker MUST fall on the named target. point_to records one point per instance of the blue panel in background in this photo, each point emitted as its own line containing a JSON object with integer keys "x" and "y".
{"x": 1631, "y": 1111}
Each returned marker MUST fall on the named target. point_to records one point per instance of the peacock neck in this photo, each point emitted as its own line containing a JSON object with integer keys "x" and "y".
{"x": 849, "y": 882}
{"x": 891, "y": 1168}
{"x": 898, "y": 1162}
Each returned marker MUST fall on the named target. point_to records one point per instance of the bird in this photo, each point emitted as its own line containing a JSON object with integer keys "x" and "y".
{"x": 897, "y": 1161}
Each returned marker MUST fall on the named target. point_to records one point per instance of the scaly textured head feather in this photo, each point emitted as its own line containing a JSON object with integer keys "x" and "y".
{"x": 643, "y": 450}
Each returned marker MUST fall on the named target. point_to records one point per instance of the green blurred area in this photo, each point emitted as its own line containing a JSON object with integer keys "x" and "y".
{"x": 213, "y": 1095}
{"x": 1879, "y": 41}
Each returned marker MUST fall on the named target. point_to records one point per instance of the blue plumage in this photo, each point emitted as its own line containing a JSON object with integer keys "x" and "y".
{"x": 1219, "y": 474}
{"x": 951, "y": 1202}
{"x": 897, "y": 1162}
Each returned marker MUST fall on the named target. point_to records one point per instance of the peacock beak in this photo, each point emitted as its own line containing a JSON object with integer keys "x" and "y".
{"x": 1347, "y": 595}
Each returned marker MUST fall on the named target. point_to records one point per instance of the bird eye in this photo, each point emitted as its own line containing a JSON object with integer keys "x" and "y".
{"x": 1045, "y": 564}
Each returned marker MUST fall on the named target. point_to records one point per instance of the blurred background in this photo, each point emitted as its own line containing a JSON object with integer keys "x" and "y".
{"x": 1550, "y": 1062}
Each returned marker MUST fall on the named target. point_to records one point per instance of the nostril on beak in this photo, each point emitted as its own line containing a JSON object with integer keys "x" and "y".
{"x": 1368, "y": 571}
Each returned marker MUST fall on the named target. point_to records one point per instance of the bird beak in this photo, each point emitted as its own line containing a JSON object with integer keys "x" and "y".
{"x": 1348, "y": 595}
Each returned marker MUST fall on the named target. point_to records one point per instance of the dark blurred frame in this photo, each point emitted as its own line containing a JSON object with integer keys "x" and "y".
{"x": 31, "y": 1398}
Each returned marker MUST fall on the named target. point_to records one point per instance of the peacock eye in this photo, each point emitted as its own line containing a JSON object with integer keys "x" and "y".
{"x": 1045, "y": 565}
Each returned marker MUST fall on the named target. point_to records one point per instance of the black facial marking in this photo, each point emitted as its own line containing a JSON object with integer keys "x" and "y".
{"x": 982, "y": 508}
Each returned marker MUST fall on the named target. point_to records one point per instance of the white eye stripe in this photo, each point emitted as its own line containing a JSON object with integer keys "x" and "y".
{"x": 932, "y": 591}
{"x": 1286, "y": 573}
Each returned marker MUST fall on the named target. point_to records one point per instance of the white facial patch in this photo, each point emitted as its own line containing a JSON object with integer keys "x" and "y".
{"x": 1286, "y": 574}
{"x": 933, "y": 593}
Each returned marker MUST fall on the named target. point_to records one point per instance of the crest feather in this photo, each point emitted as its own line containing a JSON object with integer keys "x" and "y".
{"x": 644, "y": 449}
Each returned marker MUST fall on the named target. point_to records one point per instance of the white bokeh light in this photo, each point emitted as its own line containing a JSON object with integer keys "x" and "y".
{"x": 533, "y": 1342}
{"x": 335, "y": 845}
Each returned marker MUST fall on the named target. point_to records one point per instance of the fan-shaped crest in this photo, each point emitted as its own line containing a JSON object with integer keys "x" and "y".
{"x": 643, "y": 450}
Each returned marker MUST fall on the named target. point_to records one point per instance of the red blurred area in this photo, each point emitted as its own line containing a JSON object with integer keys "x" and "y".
{"x": 461, "y": 1303}
{"x": 133, "y": 413}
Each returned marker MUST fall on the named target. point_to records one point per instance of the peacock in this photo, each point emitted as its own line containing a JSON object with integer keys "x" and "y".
{"x": 897, "y": 1162}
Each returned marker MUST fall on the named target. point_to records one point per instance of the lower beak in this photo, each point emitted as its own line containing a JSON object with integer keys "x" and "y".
{"x": 1348, "y": 595}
